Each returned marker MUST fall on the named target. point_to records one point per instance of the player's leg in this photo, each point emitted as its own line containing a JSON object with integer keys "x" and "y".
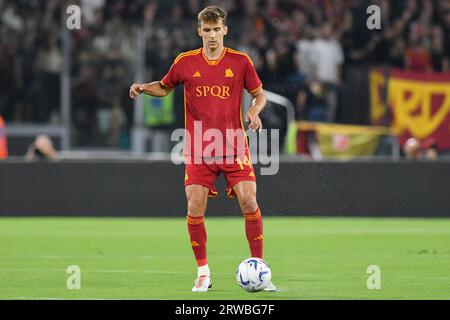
{"x": 246, "y": 195}
{"x": 241, "y": 181}
{"x": 197, "y": 198}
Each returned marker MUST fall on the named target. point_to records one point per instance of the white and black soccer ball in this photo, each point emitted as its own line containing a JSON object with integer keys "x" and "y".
{"x": 253, "y": 275}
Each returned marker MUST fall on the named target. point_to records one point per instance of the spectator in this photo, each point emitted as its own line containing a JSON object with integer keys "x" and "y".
{"x": 439, "y": 60}
{"x": 89, "y": 9}
{"x": 427, "y": 150}
{"x": 412, "y": 149}
{"x": 116, "y": 124}
{"x": 430, "y": 149}
{"x": 41, "y": 149}
{"x": 49, "y": 64}
{"x": 417, "y": 57}
{"x": 311, "y": 102}
{"x": 305, "y": 52}
{"x": 396, "y": 54}
{"x": 328, "y": 58}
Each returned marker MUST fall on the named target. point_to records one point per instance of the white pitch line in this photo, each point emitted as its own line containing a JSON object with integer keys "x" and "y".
{"x": 285, "y": 275}
{"x": 55, "y": 298}
{"x": 106, "y": 257}
{"x": 97, "y": 271}
{"x": 57, "y": 257}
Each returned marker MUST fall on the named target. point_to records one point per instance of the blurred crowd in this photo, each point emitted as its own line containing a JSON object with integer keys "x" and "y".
{"x": 413, "y": 149}
{"x": 306, "y": 50}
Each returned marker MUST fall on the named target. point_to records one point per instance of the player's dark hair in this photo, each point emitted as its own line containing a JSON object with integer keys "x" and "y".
{"x": 212, "y": 14}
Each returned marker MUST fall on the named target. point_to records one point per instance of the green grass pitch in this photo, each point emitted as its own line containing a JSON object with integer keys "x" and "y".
{"x": 310, "y": 258}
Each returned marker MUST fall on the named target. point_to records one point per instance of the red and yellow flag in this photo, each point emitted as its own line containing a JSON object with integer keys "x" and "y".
{"x": 417, "y": 104}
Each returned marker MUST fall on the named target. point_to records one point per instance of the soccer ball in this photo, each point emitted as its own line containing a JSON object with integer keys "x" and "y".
{"x": 253, "y": 274}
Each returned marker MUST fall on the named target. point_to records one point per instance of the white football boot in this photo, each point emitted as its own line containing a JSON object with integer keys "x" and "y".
{"x": 202, "y": 284}
{"x": 271, "y": 287}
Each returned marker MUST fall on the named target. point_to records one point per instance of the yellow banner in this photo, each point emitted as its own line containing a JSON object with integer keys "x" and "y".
{"x": 345, "y": 142}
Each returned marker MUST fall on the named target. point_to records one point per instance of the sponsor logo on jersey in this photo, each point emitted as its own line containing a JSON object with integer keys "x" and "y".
{"x": 221, "y": 92}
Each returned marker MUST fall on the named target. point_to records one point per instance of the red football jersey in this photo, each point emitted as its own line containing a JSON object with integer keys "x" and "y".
{"x": 212, "y": 99}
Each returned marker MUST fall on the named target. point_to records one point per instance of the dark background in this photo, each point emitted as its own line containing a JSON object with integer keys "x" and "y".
{"x": 142, "y": 188}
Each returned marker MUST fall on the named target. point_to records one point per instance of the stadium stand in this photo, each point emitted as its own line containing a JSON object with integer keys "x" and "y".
{"x": 284, "y": 39}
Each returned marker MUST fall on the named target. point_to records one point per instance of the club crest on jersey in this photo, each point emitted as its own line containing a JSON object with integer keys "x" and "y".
{"x": 229, "y": 73}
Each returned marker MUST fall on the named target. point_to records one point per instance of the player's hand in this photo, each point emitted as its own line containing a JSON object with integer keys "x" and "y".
{"x": 255, "y": 120}
{"x": 136, "y": 90}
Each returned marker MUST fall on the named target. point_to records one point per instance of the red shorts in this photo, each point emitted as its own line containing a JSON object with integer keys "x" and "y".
{"x": 206, "y": 173}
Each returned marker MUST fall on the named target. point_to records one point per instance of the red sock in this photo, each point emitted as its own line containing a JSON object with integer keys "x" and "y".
{"x": 254, "y": 232}
{"x": 197, "y": 234}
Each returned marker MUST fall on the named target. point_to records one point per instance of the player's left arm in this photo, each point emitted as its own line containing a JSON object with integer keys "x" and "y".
{"x": 258, "y": 103}
{"x": 253, "y": 85}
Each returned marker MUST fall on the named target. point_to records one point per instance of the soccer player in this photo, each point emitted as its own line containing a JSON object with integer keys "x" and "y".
{"x": 214, "y": 78}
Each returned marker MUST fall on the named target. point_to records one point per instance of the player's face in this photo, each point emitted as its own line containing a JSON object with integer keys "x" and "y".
{"x": 212, "y": 34}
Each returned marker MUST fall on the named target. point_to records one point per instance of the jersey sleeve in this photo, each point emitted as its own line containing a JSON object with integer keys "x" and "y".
{"x": 173, "y": 76}
{"x": 252, "y": 83}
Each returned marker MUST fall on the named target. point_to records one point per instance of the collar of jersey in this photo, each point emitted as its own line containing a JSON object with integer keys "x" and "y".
{"x": 214, "y": 62}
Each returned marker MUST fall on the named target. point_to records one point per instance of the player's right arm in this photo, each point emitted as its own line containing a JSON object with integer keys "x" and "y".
{"x": 155, "y": 89}
{"x": 160, "y": 88}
